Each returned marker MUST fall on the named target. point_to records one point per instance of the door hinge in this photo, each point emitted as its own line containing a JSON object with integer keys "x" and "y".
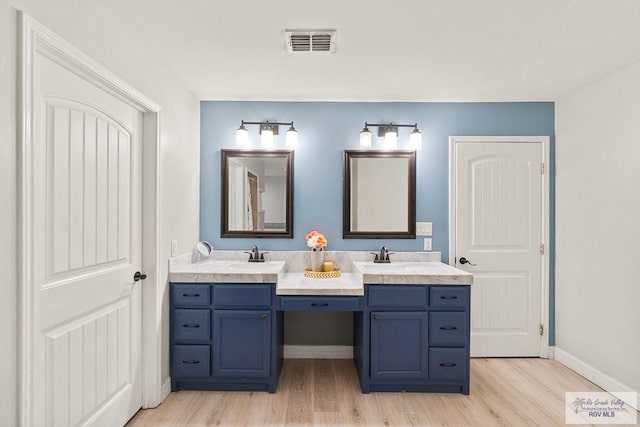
{"x": 541, "y": 329}
{"x": 542, "y": 249}
{"x": 542, "y": 168}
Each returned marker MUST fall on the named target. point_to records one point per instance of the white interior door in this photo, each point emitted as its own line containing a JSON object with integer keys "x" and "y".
{"x": 497, "y": 192}
{"x": 84, "y": 172}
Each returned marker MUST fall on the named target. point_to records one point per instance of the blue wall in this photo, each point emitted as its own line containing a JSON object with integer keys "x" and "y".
{"x": 326, "y": 129}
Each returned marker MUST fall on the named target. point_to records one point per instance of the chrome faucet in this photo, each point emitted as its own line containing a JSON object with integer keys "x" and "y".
{"x": 255, "y": 255}
{"x": 383, "y": 256}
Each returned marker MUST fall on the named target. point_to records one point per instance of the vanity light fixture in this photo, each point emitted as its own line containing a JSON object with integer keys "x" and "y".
{"x": 292, "y": 137}
{"x": 391, "y": 138}
{"x": 266, "y": 136}
{"x": 390, "y": 133}
{"x": 365, "y": 137}
{"x": 415, "y": 139}
{"x": 267, "y": 131}
{"x": 242, "y": 136}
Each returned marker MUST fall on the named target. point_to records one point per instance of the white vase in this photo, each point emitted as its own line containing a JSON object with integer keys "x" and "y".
{"x": 317, "y": 258}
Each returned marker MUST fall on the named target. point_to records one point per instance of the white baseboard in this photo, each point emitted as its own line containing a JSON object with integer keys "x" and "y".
{"x": 318, "y": 352}
{"x": 609, "y": 384}
{"x": 551, "y": 352}
{"x": 165, "y": 389}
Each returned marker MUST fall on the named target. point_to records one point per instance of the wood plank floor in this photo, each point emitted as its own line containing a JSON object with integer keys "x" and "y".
{"x": 504, "y": 392}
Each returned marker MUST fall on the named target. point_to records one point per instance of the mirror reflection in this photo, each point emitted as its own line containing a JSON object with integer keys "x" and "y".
{"x": 379, "y": 194}
{"x": 256, "y": 193}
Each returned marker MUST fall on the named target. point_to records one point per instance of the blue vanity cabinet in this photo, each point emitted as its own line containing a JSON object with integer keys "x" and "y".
{"x": 225, "y": 337}
{"x": 413, "y": 338}
{"x": 242, "y": 331}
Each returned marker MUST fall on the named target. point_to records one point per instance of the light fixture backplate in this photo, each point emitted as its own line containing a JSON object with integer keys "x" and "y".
{"x": 269, "y": 126}
{"x": 382, "y": 130}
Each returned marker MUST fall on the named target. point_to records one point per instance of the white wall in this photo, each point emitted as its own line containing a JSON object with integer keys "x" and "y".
{"x": 598, "y": 226}
{"x": 95, "y": 31}
{"x": 8, "y": 224}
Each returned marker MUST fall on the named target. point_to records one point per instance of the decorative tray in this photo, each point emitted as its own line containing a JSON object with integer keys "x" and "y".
{"x": 321, "y": 274}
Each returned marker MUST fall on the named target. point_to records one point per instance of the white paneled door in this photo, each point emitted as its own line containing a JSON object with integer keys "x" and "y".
{"x": 84, "y": 181}
{"x": 498, "y": 235}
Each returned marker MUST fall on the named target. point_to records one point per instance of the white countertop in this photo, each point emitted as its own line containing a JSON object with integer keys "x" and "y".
{"x": 297, "y": 284}
{"x": 351, "y": 282}
{"x": 231, "y": 271}
{"x": 412, "y": 273}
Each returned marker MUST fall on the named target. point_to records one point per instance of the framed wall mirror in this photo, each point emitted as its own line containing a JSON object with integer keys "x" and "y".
{"x": 257, "y": 193}
{"x": 379, "y": 194}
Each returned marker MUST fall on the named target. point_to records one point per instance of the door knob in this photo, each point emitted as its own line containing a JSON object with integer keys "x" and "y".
{"x": 463, "y": 261}
{"x": 139, "y": 276}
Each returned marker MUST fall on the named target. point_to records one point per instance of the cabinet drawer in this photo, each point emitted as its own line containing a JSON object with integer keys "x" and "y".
{"x": 448, "y": 296}
{"x": 183, "y": 294}
{"x": 383, "y": 296}
{"x": 191, "y": 360}
{"x": 447, "y": 328}
{"x": 242, "y": 295}
{"x": 447, "y": 363}
{"x": 319, "y": 304}
{"x": 191, "y": 324}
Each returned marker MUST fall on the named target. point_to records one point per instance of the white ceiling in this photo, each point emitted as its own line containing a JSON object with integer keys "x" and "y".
{"x": 388, "y": 50}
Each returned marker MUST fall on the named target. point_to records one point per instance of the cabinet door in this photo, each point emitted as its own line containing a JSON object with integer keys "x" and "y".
{"x": 241, "y": 343}
{"x": 399, "y": 345}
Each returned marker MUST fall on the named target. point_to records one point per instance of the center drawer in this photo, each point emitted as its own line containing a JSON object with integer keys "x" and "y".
{"x": 447, "y": 328}
{"x": 191, "y": 325}
{"x": 317, "y": 303}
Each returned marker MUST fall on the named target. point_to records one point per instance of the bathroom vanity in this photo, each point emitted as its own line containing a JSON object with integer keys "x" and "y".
{"x": 411, "y": 323}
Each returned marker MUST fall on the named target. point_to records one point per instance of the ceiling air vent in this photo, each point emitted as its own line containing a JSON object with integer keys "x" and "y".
{"x": 311, "y": 40}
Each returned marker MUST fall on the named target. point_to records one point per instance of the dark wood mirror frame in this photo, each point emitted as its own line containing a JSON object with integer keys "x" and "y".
{"x": 287, "y": 155}
{"x": 410, "y": 232}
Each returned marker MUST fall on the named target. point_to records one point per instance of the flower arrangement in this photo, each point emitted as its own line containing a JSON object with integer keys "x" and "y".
{"x": 316, "y": 240}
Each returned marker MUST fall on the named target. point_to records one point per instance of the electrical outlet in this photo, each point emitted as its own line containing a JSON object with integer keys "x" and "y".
{"x": 424, "y": 228}
{"x": 427, "y": 243}
{"x": 174, "y": 247}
